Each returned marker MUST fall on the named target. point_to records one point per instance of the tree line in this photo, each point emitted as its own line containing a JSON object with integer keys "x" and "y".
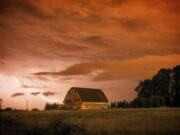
{"x": 162, "y": 90}
{"x": 141, "y": 102}
{"x": 53, "y": 106}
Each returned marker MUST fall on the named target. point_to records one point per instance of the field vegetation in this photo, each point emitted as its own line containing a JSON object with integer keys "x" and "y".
{"x": 149, "y": 121}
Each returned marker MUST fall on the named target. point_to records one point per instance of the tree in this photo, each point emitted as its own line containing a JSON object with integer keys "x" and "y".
{"x": 8, "y": 109}
{"x": 162, "y": 89}
{"x": 144, "y": 88}
{"x": 157, "y": 101}
{"x": 113, "y": 105}
{"x": 161, "y": 83}
{"x": 35, "y": 109}
{"x": 174, "y": 87}
{"x": 161, "y": 80}
{"x": 138, "y": 102}
{"x": 53, "y": 106}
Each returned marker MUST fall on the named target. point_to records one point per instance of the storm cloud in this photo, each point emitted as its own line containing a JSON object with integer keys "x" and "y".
{"x": 119, "y": 33}
{"x": 35, "y": 93}
{"x": 17, "y": 94}
{"x": 115, "y": 70}
{"x": 55, "y": 44}
{"x": 48, "y": 93}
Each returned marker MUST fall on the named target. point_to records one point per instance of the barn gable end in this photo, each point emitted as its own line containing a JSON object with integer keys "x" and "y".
{"x": 85, "y": 98}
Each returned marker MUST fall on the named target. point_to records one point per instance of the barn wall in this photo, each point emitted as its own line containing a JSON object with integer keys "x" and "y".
{"x": 72, "y": 100}
{"x": 94, "y": 105}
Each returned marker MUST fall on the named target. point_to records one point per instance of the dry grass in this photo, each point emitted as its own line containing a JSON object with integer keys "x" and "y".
{"x": 160, "y": 121}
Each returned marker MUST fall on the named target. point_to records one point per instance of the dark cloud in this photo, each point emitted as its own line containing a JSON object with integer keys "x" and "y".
{"x": 134, "y": 25}
{"x": 17, "y": 94}
{"x": 94, "y": 38}
{"x": 47, "y": 73}
{"x": 60, "y": 47}
{"x": 143, "y": 67}
{"x": 35, "y": 93}
{"x": 88, "y": 35}
{"x": 99, "y": 41}
{"x": 112, "y": 34}
{"x": 4, "y": 5}
{"x": 2, "y": 63}
{"x": 116, "y": 3}
{"x": 9, "y": 6}
{"x": 172, "y": 6}
{"x": 48, "y": 93}
{"x": 73, "y": 70}
{"x": 4, "y": 26}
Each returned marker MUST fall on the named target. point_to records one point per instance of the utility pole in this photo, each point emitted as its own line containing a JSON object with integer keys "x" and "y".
{"x": 27, "y": 105}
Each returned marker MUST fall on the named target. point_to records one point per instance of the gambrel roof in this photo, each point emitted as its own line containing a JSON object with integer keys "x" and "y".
{"x": 90, "y": 95}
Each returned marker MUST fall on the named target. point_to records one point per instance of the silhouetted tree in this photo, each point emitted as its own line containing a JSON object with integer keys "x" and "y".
{"x": 161, "y": 83}
{"x": 35, "y": 109}
{"x": 53, "y": 106}
{"x": 174, "y": 87}
{"x": 120, "y": 104}
{"x": 8, "y": 109}
{"x": 144, "y": 88}
{"x": 113, "y": 105}
{"x": 163, "y": 89}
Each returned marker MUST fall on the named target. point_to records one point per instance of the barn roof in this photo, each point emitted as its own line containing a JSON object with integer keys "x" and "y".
{"x": 91, "y": 95}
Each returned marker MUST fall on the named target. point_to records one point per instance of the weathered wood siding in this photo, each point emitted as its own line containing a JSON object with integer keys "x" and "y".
{"x": 72, "y": 100}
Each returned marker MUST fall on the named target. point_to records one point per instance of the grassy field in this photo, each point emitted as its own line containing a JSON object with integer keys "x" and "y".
{"x": 160, "y": 121}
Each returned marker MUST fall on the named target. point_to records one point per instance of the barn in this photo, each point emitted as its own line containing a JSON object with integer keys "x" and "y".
{"x": 85, "y": 98}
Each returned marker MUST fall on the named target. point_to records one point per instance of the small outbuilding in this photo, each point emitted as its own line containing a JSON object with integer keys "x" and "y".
{"x": 85, "y": 98}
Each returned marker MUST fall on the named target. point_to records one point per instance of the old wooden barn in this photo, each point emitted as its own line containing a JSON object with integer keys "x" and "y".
{"x": 85, "y": 98}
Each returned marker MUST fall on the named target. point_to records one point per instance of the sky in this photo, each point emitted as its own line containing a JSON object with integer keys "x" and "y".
{"x": 49, "y": 46}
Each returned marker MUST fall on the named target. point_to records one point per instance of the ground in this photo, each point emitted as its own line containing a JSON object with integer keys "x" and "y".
{"x": 159, "y": 121}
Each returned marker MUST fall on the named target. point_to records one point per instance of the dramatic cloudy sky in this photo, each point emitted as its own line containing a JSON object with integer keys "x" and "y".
{"x": 48, "y": 46}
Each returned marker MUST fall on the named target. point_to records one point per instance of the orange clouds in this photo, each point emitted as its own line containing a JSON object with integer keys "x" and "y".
{"x": 139, "y": 68}
{"x": 92, "y": 29}
{"x": 67, "y": 42}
